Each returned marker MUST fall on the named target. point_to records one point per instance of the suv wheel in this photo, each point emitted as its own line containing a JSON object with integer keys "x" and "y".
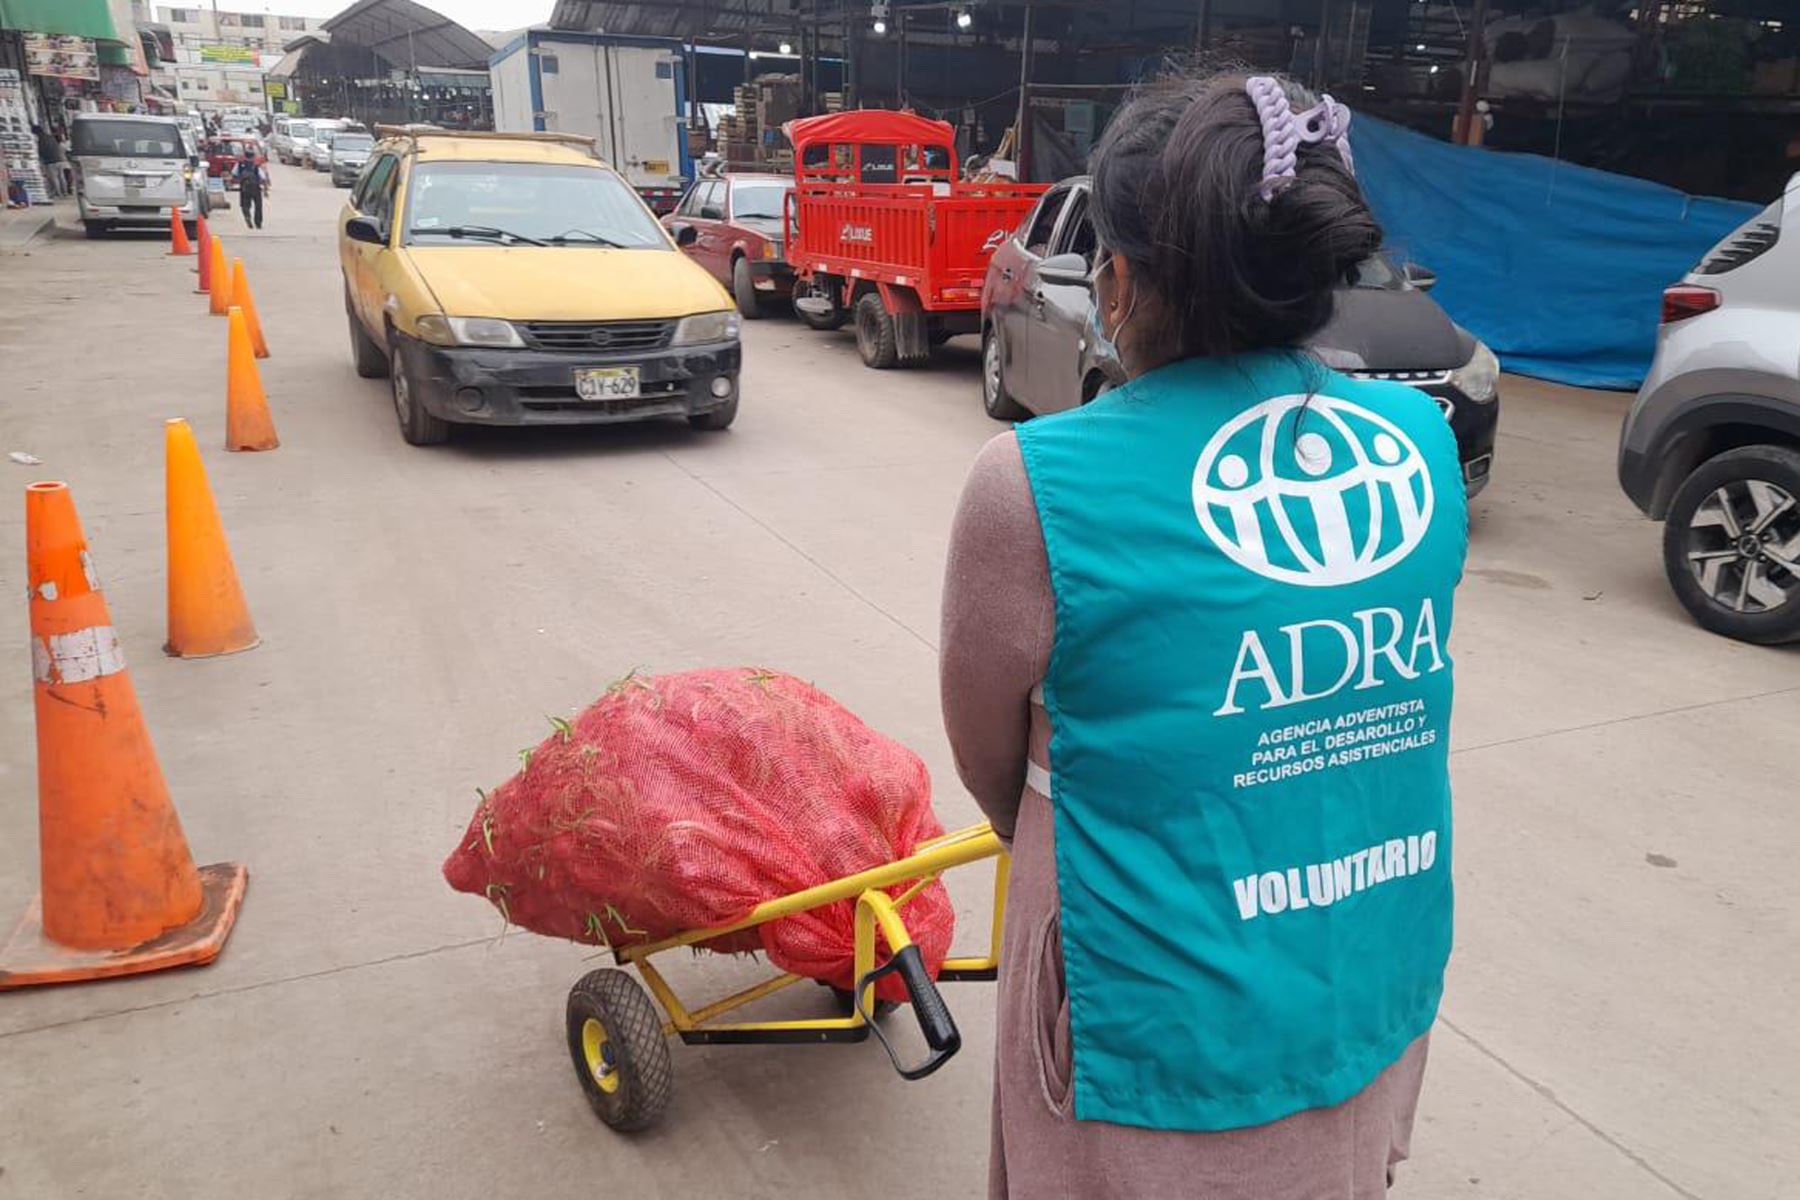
{"x": 994, "y": 397}
{"x": 1731, "y": 544}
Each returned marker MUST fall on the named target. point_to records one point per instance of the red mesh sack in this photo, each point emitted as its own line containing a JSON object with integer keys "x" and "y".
{"x": 681, "y": 802}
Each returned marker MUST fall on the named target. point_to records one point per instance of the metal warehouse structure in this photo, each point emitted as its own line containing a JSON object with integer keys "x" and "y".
{"x": 1704, "y": 94}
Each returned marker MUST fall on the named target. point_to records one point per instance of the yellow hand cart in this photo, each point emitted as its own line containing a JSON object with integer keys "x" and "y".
{"x": 620, "y": 1043}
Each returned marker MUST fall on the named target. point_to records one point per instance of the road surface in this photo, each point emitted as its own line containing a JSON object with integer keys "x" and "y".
{"x": 1618, "y": 1021}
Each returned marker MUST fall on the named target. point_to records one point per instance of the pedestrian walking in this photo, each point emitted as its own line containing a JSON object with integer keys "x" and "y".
{"x": 55, "y": 160}
{"x": 253, "y": 182}
{"x": 1194, "y": 668}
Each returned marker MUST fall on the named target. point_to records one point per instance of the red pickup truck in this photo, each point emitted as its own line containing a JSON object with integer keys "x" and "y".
{"x": 224, "y": 153}
{"x": 881, "y": 228}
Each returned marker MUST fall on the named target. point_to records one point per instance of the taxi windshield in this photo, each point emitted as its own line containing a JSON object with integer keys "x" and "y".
{"x": 486, "y": 202}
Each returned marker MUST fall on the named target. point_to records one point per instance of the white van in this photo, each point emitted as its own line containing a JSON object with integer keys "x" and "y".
{"x": 131, "y": 170}
{"x": 291, "y": 149}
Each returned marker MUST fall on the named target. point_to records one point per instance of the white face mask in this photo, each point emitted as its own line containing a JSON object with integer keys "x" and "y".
{"x": 1097, "y": 323}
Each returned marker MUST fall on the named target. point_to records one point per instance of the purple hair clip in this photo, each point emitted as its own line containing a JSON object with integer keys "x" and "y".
{"x": 1284, "y": 130}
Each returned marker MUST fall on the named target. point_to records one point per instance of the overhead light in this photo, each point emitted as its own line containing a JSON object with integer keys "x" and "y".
{"x": 963, "y": 19}
{"x": 878, "y": 11}
{"x": 880, "y": 25}
{"x": 787, "y": 48}
{"x": 1420, "y": 47}
{"x": 756, "y": 54}
{"x": 1434, "y": 68}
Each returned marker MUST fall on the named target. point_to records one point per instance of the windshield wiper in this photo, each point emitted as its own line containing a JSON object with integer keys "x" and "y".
{"x": 562, "y": 239}
{"x": 480, "y": 231}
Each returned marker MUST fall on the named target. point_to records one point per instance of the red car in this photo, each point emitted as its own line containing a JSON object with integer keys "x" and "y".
{"x": 736, "y": 221}
{"x": 224, "y": 153}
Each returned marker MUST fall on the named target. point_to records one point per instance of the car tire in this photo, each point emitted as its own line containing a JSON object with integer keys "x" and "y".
{"x": 1731, "y": 544}
{"x": 365, "y": 351}
{"x": 876, "y": 340}
{"x": 743, "y": 289}
{"x": 93, "y": 229}
{"x": 417, "y": 426}
{"x": 718, "y": 419}
{"x": 994, "y": 397}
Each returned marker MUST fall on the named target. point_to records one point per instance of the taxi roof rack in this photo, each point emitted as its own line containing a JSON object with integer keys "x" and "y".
{"x": 415, "y": 131}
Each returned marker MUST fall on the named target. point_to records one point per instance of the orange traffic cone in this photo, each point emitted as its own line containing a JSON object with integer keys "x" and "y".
{"x": 218, "y": 278}
{"x": 248, "y": 425}
{"x": 240, "y": 296}
{"x": 179, "y": 246}
{"x": 207, "y": 613}
{"x": 120, "y": 893}
{"x": 203, "y": 255}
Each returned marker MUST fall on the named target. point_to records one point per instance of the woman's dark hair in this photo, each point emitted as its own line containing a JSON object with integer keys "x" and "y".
{"x": 1177, "y": 192}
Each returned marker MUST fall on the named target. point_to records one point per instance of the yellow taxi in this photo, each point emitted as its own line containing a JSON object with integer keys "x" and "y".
{"x": 516, "y": 279}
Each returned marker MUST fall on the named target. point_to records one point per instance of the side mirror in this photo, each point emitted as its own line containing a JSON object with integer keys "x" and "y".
{"x": 685, "y": 235}
{"x": 1422, "y": 278}
{"x": 364, "y": 229}
{"x": 193, "y": 160}
{"x": 1070, "y": 270}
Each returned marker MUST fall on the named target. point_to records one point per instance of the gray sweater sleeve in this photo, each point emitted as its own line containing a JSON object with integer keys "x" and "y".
{"x": 999, "y": 619}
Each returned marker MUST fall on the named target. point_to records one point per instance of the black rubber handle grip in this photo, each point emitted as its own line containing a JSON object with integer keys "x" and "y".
{"x": 935, "y": 1022}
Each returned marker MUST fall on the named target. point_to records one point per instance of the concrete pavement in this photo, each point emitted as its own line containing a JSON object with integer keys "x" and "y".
{"x": 1616, "y": 1024}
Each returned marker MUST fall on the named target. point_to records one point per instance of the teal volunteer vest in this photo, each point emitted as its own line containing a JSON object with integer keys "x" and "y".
{"x": 1253, "y": 562}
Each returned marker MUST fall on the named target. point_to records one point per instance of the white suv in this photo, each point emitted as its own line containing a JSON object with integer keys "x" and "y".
{"x": 1711, "y": 446}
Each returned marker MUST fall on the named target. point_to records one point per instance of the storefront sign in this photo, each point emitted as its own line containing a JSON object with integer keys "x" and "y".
{"x": 65, "y": 57}
{"x": 275, "y": 89}
{"x": 228, "y": 54}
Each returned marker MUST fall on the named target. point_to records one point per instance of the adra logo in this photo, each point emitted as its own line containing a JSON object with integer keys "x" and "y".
{"x": 1330, "y": 495}
{"x": 1375, "y": 647}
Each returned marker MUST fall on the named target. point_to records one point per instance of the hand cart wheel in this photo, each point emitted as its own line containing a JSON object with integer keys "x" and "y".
{"x": 621, "y": 1055}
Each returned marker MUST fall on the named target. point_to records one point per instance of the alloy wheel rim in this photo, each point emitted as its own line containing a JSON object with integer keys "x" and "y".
{"x": 990, "y": 375}
{"x": 1743, "y": 546}
{"x": 402, "y": 399}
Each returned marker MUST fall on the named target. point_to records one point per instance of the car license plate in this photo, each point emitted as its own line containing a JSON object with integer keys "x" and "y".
{"x": 607, "y": 383}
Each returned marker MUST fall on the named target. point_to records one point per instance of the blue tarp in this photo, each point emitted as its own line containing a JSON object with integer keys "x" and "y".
{"x": 1558, "y": 268}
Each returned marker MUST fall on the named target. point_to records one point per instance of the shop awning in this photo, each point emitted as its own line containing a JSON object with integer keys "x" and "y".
{"x": 75, "y": 18}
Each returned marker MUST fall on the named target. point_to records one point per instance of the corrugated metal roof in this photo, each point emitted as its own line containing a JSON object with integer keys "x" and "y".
{"x": 408, "y": 35}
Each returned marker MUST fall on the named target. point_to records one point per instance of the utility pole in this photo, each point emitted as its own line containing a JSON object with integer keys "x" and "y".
{"x": 900, "y": 70}
{"x": 1022, "y": 130}
{"x": 1474, "y": 61}
{"x": 1203, "y": 29}
{"x": 1318, "y": 80}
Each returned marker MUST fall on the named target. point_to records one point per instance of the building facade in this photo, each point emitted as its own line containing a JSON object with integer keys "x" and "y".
{"x": 264, "y": 33}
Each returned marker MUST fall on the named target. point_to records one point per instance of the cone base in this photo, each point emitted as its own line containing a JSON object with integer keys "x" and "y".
{"x": 172, "y": 652}
{"x": 28, "y": 958}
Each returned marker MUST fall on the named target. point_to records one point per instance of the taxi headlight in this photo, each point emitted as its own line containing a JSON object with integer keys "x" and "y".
{"x": 1479, "y": 378}
{"x": 706, "y": 327}
{"x": 440, "y": 330}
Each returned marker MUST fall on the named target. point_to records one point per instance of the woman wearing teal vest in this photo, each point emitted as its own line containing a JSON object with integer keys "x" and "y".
{"x": 1195, "y": 667}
